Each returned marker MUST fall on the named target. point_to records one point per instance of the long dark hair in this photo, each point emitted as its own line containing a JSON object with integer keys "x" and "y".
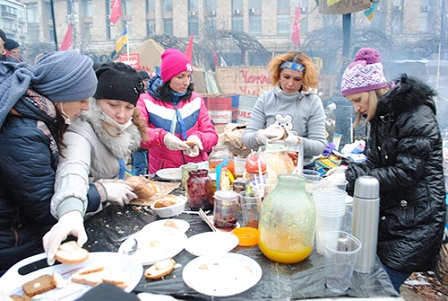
{"x": 61, "y": 128}
{"x": 166, "y": 93}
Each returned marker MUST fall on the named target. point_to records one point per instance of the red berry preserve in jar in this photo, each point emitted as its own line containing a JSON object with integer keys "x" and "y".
{"x": 200, "y": 190}
{"x": 226, "y": 209}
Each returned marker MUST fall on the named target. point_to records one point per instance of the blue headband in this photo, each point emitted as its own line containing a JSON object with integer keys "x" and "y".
{"x": 293, "y": 66}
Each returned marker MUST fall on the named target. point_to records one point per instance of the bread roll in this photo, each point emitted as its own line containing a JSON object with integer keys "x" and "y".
{"x": 166, "y": 201}
{"x": 70, "y": 252}
{"x": 190, "y": 143}
{"x": 277, "y": 131}
{"x": 143, "y": 188}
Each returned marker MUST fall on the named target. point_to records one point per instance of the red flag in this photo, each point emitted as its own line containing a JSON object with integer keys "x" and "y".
{"x": 67, "y": 42}
{"x": 215, "y": 58}
{"x": 189, "y": 50}
{"x": 295, "y": 34}
{"x": 116, "y": 11}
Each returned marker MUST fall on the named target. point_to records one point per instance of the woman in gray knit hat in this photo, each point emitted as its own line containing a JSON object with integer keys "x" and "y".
{"x": 37, "y": 103}
{"x": 98, "y": 145}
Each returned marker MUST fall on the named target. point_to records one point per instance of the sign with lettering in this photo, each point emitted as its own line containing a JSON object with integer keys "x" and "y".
{"x": 344, "y": 6}
{"x": 133, "y": 60}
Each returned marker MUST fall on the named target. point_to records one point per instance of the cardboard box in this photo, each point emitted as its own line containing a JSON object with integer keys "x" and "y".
{"x": 344, "y": 6}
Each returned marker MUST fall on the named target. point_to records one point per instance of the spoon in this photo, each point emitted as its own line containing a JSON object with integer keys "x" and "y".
{"x": 130, "y": 247}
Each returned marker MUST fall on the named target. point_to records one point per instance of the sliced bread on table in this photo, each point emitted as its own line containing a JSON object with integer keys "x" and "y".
{"x": 38, "y": 286}
{"x": 160, "y": 269}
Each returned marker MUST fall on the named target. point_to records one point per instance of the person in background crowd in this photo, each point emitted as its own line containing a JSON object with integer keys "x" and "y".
{"x": 293, "y": 104}
{"x": 5, "y": 56}
{"x": 98, "y": 145}
{"x": 145, "y": 78}
{"x": 14, "y": 48}
{"x": 405, "y": 154}
{"x": 37, "y": 103}
{"x": 174, "y": 114}
{"x": 140, "y": 157}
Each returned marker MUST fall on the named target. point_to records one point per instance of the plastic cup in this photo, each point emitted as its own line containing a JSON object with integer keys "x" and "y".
{"x": 240, "y": 164}
{"x": 341, "y": 249}
{"x": 324, "y": 224}
{"x": 312, "y": 178}
{"x": 330, "y": 211}
{"x": 250, "y": 208}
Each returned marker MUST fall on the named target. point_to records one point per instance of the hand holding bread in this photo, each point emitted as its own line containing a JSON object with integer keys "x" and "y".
{"x": 143, "y": 188}
{"x": 72, "y": 223}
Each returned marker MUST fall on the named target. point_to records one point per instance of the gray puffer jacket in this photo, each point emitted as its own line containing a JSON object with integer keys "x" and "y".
{"x": 405, "y": 154}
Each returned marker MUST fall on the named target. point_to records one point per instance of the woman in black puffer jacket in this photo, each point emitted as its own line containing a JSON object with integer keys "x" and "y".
{"x": 36, "y": 103}
{"x": 405, "y": 154}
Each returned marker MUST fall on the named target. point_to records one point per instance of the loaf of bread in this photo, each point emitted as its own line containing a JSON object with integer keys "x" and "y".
{"x": 38, "y": 286}
{"x": 166, "y": 201}
{"x": 70, "y": 252}
{"x": 143, "y": 188}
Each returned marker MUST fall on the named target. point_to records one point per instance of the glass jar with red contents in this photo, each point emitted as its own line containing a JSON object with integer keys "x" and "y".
{"x": 226, "y": 209}
{"x": 200, "y": 190}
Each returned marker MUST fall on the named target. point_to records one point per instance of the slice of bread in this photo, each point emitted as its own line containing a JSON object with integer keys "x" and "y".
{"x": 190, "y": 143}
{"x": 20, "y": 298}
{"x": 160, "y": 269}
{"x": 121, "y": 280}
{"x": 38, "y": 286}
{"x": 70, "y": 252}
{"x": 91, "y": 275}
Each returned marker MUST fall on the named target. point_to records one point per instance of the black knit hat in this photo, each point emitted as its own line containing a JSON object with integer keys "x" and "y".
{"x": 11, "y": 44}
{"x": 3, "y": 35}
{"x": 118, "y": 81}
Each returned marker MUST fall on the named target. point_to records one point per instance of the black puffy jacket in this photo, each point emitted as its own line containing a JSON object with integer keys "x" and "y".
{"x": 405, "y": 154}
{"x": 28, "y": 161}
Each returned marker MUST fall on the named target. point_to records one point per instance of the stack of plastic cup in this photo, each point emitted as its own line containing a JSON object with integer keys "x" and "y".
{"x": 330, "y": 209}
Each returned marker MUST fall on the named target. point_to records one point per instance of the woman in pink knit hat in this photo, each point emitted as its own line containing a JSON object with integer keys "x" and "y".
{"x": 174, "y": 115}
{"x": 405, "y": 154}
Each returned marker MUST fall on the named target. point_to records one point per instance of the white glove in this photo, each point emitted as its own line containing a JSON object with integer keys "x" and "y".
{"x": 194, "y": 151}
{"x": 291, "y": 139}
{"x": 116, "y": 191}
{"x": 174, "y": 143}
{"x": 264, "y": 136}
{"x": 70, "y": 223}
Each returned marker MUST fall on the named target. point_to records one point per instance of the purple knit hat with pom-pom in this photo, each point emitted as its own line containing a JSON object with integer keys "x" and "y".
{"x": 365, "y": 73}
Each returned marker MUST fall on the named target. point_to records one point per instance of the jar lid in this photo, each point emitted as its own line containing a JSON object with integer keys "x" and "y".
{"x": 247, "y": 236}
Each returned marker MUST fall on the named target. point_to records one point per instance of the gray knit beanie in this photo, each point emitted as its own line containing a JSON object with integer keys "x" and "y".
{"x": 65, "y": 76}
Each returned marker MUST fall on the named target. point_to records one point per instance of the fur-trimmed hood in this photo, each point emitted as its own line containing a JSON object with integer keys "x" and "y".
{"x": 121, "y": 143}
{"x": 406, "y": 94}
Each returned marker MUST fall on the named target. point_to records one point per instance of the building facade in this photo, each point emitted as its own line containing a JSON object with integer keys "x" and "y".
{"x": 270, "y": 22}
{"x": 13, "y": 20}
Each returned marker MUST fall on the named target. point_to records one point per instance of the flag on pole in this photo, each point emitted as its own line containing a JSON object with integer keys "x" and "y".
{"x": 215, "y": 58}
{"x": 189, "y": 50}
{"x": 116, "y": 11}
{"x": 67, "y": 42}
{"x": 370, "y": 13}
{"x": 295, "y": 34}
{"x": 122, "y": 41}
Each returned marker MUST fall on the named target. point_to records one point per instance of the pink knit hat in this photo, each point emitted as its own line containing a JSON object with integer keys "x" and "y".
{"x": 173, "y": 63}
{"x": 364, "y": 74}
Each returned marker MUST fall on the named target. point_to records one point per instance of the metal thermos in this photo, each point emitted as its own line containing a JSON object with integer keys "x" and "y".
{"x": 366, "y": 207}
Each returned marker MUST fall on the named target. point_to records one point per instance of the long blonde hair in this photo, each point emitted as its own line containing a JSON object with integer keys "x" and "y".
{"x": 374, "y": 96}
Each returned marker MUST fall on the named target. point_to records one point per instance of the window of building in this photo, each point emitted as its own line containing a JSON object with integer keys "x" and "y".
{"x": 283, "y": 26}
{"x": 33, "y": 33}
{"x": 255, "y": 4}
{"x": 192, "y": 5}
{"x": 47, "y": 10}
{"x": 193, "y": 26}
{"x": 167, "y": 6}
{"x": 69, "y": 7}
{"x": 397, "y": 5}
{"x": 150, "y": 6}
{"x": 237, "y": 23}
{"x": 87, "y": 33}
{"x": 283, "y": 7}
{"x": 8, "y": 11}
{"x": 32, "y": 13}
{"x": 168, "y": 26}
{"x": 424, "y": 23}
{"x": 255, "y": 24}
{"x": 87, "y": 8}
{"x": 50, "y": 32}
{"x": 126, "y": 7}
{"x": 210, "y": 5}
{"x": 237, "y": 4}
{"x": 150, "y": 27}
{"x": 397, "y": 22}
